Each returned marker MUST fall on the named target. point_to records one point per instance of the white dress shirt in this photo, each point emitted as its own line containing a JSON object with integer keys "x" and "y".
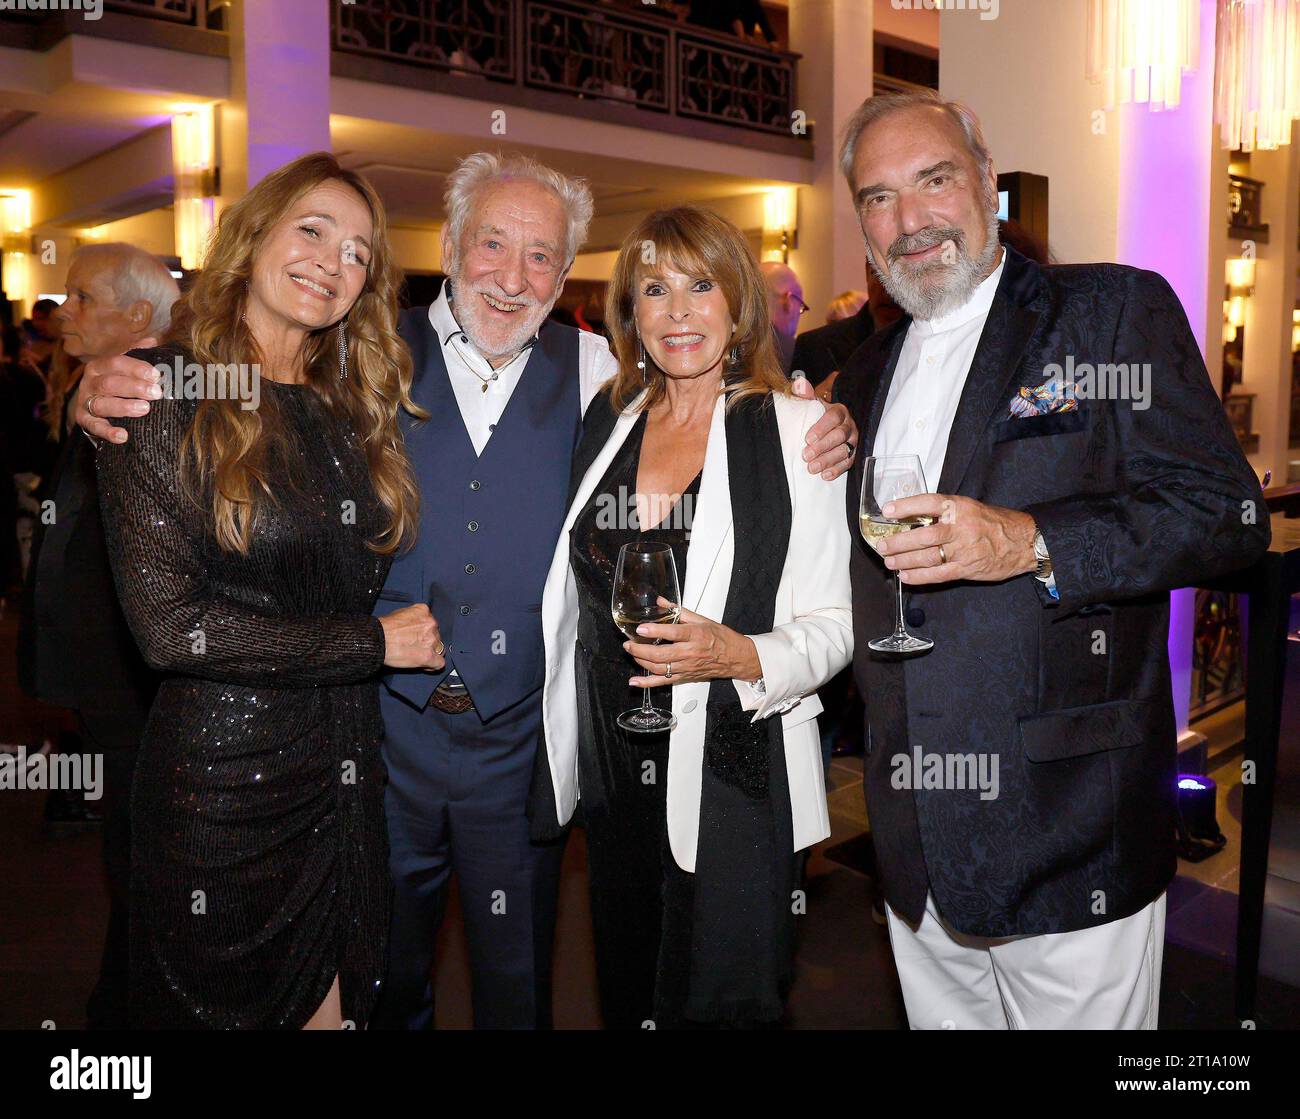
{"x": 928, "y": 381}
{"x": 469, "y": 371}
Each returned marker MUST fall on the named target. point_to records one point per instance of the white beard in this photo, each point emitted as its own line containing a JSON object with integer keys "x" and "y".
{"x": 493, "y": 341}
{"x": 937, "y": 289}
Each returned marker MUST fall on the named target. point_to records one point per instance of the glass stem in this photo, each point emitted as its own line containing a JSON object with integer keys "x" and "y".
{"x": 646, "y": 709}
{"x": 900, "y": 630}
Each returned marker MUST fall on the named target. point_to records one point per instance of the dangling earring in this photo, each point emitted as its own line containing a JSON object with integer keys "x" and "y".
{"x": 734, "y": 358}
{"x": 342, "y": 335}
{"x": 645, "y": 380}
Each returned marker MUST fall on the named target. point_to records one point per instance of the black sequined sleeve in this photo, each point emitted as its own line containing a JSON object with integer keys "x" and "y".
{"x": 182, "y": 625}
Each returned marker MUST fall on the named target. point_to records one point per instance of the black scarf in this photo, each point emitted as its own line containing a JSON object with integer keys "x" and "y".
{"x": 742, "y": 922}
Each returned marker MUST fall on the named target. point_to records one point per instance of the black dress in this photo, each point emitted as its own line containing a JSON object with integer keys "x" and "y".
{"x": 259, "y": 854}
{"x": 640, "y": 898}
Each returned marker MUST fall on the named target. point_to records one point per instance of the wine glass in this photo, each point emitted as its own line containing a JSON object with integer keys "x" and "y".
{"x": 646, "y": 572}
{"x": 887, "y": 478}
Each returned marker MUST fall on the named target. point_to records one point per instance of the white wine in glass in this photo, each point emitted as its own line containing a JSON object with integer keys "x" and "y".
{"x": 645, "y": 573}
{"x": 887, "y": 478}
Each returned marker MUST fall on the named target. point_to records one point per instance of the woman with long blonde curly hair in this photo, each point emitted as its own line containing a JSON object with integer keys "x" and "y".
{"x": 251, "y": 519}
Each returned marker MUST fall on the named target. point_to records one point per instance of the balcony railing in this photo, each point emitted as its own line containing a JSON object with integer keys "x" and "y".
{"x": 565, "y": 47}
{"x": 174, "y": 11}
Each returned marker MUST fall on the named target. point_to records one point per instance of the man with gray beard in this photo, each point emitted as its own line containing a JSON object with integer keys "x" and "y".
{"x": 1054, "y": 529}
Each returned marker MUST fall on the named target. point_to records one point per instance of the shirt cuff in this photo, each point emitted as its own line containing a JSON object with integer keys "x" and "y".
{"x": 1048, "y": 586}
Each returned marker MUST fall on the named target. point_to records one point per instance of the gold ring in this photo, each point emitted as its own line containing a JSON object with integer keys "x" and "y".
{"x": 90, "y": 403}
{"x": 442, "y": 648}
{"x": 943, "y": 556}
{"x": 668, "y": 671}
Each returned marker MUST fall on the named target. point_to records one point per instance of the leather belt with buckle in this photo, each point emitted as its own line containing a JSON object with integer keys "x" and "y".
{"x": 454, "y": 701}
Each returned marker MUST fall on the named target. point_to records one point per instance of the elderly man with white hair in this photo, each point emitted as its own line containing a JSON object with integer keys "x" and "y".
{"x": 119, "y": 297}
{"x": 506, "y": 390}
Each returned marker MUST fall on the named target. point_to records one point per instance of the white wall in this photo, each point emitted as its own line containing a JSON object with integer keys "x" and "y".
{"x": 1023, "y": 74}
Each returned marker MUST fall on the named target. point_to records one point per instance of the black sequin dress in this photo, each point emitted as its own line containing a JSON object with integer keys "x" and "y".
{"x": 259, "y": 852}
{"x": 640, "y": 899}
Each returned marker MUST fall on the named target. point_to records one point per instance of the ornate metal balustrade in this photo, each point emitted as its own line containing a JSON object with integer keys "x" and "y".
{"x": 174, "y": 11}
{"x": 476, "y": 36}
{"x": 588, "y": 52}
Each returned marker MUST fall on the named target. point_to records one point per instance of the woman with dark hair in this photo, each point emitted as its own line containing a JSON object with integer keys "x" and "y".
{"x": 692, "y": 832}
{"x": 249, "y": 545}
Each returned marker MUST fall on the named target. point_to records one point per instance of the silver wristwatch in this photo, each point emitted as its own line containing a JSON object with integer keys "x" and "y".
{"x": 1042, "y": 561}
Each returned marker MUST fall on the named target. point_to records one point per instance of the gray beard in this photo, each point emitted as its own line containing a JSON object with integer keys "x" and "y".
{"x": 941, "y": 289}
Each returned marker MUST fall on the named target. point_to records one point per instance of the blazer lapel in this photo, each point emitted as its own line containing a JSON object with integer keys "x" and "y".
{"x": 875, "y": 377}
{"x": 595, "y": 471}
{"x": 711, "y": 519}
{"x": 993, "y": 377}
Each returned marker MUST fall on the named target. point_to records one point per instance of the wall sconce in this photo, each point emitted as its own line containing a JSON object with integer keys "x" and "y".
{"x": 779, "y": 220}
{"x": 15, "y": 241}
{"x": 195, "y": 173}
{"x": 1240, "y": 281}
{"x": 1241, "y": 274}
{"x": 1295, "y": 331}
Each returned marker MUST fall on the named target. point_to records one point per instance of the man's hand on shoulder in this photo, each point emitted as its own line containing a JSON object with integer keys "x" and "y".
{"x": 832, "y": 440}
{"x": 115, "y": 386}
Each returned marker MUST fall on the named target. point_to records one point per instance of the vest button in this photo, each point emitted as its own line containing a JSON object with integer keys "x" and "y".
{"x": 470, "y": 569}
{"x": 476, "y": 484}
{"x": 472, "y": 526}
{"x": 915, "y": 616}
{"x": 464, "y": 610}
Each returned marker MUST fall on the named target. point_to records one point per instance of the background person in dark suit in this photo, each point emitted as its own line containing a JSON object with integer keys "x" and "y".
{"x": 75, "y": 649}
{"x": 825, "y": 350}
{"x": 1065, "y": 515}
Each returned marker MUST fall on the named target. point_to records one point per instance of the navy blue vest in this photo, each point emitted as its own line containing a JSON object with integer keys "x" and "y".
{"x": 488, "y": 523}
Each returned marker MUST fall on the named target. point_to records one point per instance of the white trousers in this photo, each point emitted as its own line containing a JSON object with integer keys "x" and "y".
{"x": 1103, "y": 978}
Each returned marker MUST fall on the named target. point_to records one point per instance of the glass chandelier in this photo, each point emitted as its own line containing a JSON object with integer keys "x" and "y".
{"x": 1257, "y": 79}
{"x": 1140, "y": 49}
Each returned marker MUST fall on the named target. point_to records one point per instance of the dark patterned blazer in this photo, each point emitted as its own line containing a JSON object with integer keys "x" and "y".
{"x": 1068, "y": 703}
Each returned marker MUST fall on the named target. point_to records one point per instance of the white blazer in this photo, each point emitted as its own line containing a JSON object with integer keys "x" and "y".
{"x": 812, "y": 639}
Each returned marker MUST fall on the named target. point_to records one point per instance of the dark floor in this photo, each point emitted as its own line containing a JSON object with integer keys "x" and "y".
{"x": 53, "y": 910}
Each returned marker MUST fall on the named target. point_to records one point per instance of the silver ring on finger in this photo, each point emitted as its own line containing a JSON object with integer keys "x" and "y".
{"x": 943, "y": 556}
{"x": 90, "y": 404}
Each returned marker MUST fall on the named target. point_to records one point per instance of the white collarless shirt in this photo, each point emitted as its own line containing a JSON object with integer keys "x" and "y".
{"x": 482, "y": 393}
{"x": 932, "y": 367}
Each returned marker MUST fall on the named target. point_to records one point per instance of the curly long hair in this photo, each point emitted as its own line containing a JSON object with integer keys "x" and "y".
{"x": 703, "y": 243}
{"x": 226, "y": 465}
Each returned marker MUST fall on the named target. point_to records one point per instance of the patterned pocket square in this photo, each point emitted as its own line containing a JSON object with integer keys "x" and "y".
{"x": 1054, "y": 395}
